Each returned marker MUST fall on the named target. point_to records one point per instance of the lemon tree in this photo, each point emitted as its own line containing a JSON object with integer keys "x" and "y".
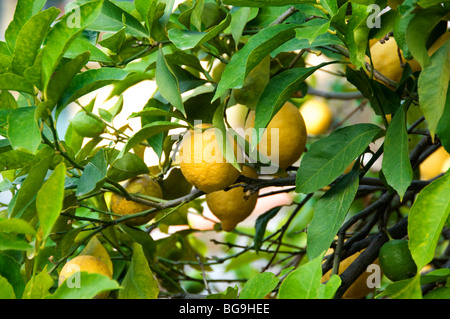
{"x": 235, "y": 149}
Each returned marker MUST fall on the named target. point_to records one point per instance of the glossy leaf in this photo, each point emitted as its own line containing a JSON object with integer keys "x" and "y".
{"x": 330, "y": 213}
{"x": 328, "y": 157}
{"x": 38, "y": 286}
{"x": 444, "y": 124}
{"x": 49, "y": 199}
{"x": 427, "y": 218}
{"x": 433, "y": 86}
{"x": 139, "y": 282}
{"x": 396, "y": 165}
{"x": 94, "y": 174}
{"x": 128, "y": 166}
{"x": 14, "y": 82}
{"x": 256, "y": 49}
{"x": 16, "y": 225}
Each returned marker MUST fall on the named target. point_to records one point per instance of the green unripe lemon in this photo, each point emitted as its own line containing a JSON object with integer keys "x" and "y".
{"x": 86, "y": 125}
{"x": 396, "y": 260}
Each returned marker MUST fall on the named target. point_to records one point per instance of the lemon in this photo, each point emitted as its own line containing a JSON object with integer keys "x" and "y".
{"x": 86, "y": 125}
{"x": 396, "y": 260}
{"x": 290, "y": 127}
{"x": 233, "y": 206}
{"x": 386, "y": 60}
{"x": 202, "y": 162}
{"x": 88, "y": 264}
{"x": 434, "y": 164}
{"x": 359, "y": 288}
{"x": 144, "y": 185}
{"x": 317, "y": 115}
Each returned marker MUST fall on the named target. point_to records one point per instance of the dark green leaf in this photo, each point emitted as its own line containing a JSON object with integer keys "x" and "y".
{"x": 261, "y": 224}
{"x": 396, "y": 165}
{"x": 262, "y": 3}
{"x": 81, "y": 45}
{"x": 444, "y": 124}
{"x": 130, "y": 165}
{"x": 94, "y": 174}
{"x": 10, "y": 269}
{"x": 256, "y": 49}
{"x": 328, "y": 157}
{"x": 330, "y": 213}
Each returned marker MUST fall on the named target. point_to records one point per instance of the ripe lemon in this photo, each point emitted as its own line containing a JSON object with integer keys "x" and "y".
{"x": 202, "y": 162}
{"x": 317, "y": 115}
{"x": 144, "y": 185}
{"x": 290, "y": 127}
{"x": 88, "y": 264}
{"x": 434, "y": 164}
{"x": 386, "y": 60}
{"x": 86, "y": 125}
{"x": 233, "y": 206}
{"x": 396, "y": 260}
{"x": 359, "y": 289}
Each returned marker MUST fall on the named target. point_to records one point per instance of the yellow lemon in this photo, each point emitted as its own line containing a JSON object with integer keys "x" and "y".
{"x": 386, "y": 60}
{"x": 434, "y": 164}
{"x": 359, "y": 289}
{"x": 288, "y": 125}
{"x": 202, "y": 162}
{"x": 317, "y": 115}
{"x": 233, "y": 206}
{"x": 88, "y": 264}
{"x": 144, "y": 185}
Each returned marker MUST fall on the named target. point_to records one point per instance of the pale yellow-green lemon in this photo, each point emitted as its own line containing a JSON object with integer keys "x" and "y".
{"x": 202, "y": 162}
{"x": 289, "y": 126}
{"x": 236, "y": 115}
{"x": 434, "y": 164}
{"x": 86, "y": 125}
{"x": 88, "y": 264}
{"x": 317, "y": 116}
{"x": 233, "y": 206}
{"x": 359, "y": 289}
{"x": 144, "y": 185}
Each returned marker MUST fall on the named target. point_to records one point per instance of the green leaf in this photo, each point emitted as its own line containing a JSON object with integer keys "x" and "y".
{"x": 433, "y": 86}
{"x": 396, "y": 165}
{"x": 427, "y": 218}
{"x": 49, "y": 199}
{"x": 10, "y": 270}
{"x": 419, "y": 29}
{"x": 30, "y": 39}
{"x": 311, "y": 29}
{"x": 444, "y": 124}
{"x": 23, "y": 131}
{"x": 261, "y": 3}
{"x": 438, "y": 293}
{"x": 130, "y": 165}
{"x": 328, "y": 157}
{"x": 239, "y": 19}
{"x": 14, "y": 82}
{"x": 114, "y": 42}
{"x": 404, "y": 289}
{"x": 147, "y": 132}
{"x": 357, "y": 33}
{"x": 435, "y": 275}
{"x": 142, "y": 238}
{"x": 81, "y": 45}
{"x": 89, "y": 81}
{"x": 94, "y": 174}
{"x": 62, "y": 35}
{"x": 60, "y": 82}
{"x": 229, "y": 293}
{"x": 38, "y": 286}
{"x": 330, "y": 213}
{"x": 261, "y": 225}
{"x": 184, "y": 39}
{"x": 111, "y": 19}
{"x": 13, "y": 242}
{"x": 16, "y": 225}
{"x": 86, "y": 286}
{"x": 167, "y": 83}
{"x": 25, "y": 9}
{"x": 256, "y": 49}
{"x": 6, "y": 290}
{"x": 259, "y": 286}
{"x": 139, "y": 282}
{"x": 276, "y": 93}
{"x": 303, "y": 282}
{"x": 328, "y": 290}
{"x": 30, "y": 187}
